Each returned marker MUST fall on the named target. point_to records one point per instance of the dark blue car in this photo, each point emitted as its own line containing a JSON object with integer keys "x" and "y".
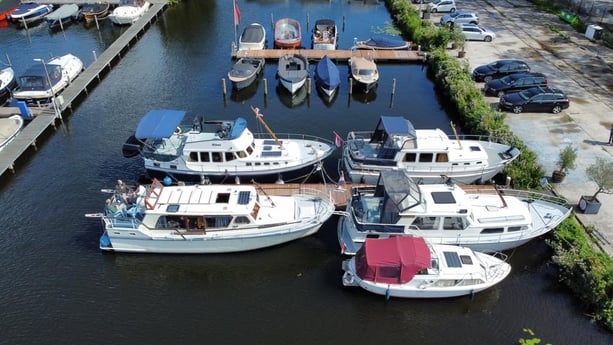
{"x": 514, "y": 82}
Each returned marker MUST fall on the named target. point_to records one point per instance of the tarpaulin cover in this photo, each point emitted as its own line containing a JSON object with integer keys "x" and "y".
{"x": 393, "y": 260}
{"x": 158, "y": 124}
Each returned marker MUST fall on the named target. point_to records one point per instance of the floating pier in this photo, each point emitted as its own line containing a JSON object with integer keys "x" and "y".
{"x": 375, "y": 54}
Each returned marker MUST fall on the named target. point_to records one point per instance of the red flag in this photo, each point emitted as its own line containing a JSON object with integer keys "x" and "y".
{"x": 338, "y": 140}
{"x": 237, "y": 13}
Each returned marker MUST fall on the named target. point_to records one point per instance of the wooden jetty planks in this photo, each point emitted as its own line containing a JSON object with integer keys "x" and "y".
{"x": 377, "y": 55}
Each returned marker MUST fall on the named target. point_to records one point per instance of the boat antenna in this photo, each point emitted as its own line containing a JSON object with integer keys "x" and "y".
{"x": 260, "y": 118}
{"x": 455, "y": 133}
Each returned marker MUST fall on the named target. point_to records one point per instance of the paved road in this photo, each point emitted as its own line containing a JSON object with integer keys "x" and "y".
{"x": 584, "y": 70}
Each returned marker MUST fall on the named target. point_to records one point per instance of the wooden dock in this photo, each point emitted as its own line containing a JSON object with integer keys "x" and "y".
{"x": 340, "y": 195}
{"x": 46, "y": 117}
{"x": 377, "y": 55}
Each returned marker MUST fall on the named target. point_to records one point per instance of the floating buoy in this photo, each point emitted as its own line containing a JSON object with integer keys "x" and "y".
{"x": 167, "y": 181}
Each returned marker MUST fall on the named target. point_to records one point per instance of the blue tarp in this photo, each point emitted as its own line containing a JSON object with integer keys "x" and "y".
{"x": 158, "y": 124}
{"x": 397, "y": 125}
{"x": 240, "y": 124}
{"x": 327, "y": 74}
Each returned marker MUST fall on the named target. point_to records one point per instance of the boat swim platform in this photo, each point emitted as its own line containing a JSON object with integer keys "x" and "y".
{"x": 45, "y": 117}
{"x": 317, "y": 54}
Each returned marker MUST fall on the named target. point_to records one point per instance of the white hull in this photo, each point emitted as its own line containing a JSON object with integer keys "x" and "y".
{"x": 292, "y": 86}
{"x": 9, "y": 129}
{"x": 71, "y": 68}
{"x": 441, "y": 285}
{"x": 207, "y": 244}
{"x": 125, "y": 15}
{"x": 434, "y": 172}
{"x": 203, "y": 219}
{"x": 491, "y": 220}
{"x": 426, "y": 155}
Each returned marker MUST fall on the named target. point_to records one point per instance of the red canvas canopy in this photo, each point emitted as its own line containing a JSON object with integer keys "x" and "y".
{"x": 393, "y": 260}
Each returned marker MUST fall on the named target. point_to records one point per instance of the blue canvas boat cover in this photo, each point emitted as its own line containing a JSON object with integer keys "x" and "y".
{"x": 158, "y": 124}
{"x": 397, "y": 125}
{"x": 240, "y": 124}
{"x": 382, "y": 41}
{"x": 327, "y": 73}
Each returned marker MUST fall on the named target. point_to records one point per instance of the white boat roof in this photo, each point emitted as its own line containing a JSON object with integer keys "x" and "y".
{"x": 218, "y": 199}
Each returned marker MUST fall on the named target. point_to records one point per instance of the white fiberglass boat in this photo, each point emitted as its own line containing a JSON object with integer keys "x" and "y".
{"x": 129, "y": 11}
{"x": 409, "y": 267}
{"x": 44, "y": 80}
{"x": 223, "y": 150}
{"x": 9, "y": 129}
{"x": 426, "y": 154}
{"x": 209, "y": 219}
{"x": 483, "y": 218}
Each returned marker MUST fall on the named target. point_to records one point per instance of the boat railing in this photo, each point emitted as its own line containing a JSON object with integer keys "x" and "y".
{"x": 323, "y": 194}
{"x": 293, "y": 136}
{"x": 522, "y": 194}
{"x": 120, "y": 222}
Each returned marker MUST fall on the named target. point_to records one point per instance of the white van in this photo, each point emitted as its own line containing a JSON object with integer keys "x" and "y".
{"x": 442, "y": 6}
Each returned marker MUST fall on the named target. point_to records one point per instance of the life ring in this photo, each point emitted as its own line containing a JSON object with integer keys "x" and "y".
{"x": 178, "y": 131}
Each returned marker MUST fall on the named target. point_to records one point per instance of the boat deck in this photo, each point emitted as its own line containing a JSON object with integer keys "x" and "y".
{"x": 339, "y": 194}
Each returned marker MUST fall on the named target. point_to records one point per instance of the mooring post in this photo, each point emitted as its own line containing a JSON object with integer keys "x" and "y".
{"x": 350, "y": 86}
{"x": 308, "y": 85}
{"x": 223, "y": 86}
{"x": 393, "y": 86}
{"x": 265, "y": 87}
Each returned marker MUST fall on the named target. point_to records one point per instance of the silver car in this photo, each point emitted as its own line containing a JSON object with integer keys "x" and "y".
{"x": 459, "y": 17}
{"x": 477, "y": 33}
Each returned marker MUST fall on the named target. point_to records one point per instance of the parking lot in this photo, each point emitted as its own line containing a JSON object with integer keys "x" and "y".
{"x": 579, "y": 67}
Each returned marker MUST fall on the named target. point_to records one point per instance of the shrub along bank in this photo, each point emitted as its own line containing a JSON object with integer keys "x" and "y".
{"x": 586, "y": 271}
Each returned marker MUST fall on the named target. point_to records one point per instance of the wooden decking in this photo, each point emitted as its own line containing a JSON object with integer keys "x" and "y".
{"x": 340, "y": 195}
{"x": 377, "y": 55}
{"x": 46, "y": 117}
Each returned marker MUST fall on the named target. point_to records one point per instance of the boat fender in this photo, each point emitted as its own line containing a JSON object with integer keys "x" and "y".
{"x": 178, "y": 131}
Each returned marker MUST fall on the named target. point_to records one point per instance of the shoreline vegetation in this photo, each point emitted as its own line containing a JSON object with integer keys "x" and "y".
{"x": 583, "y": 267}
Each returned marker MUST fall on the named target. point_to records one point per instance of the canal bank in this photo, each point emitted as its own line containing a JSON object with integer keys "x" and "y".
{"x": 576, "y": 65}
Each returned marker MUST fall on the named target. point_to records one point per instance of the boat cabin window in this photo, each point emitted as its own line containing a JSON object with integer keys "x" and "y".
{"x": 442, "y": 157}
{"x": 242, "y": 154}
{"x": 514, "y": 228}
{"x": 454, "y": 223}
{"x": 475, "y": 148}
{"x": 492, "y": 230}
{"x": 250, "y": 149}
{"x": 222, "y": 198}
{"x": 427, "y": 223}
{"x": 216, "y": 156}
{"x": 425, "y": 157}
{"x": 193, "y": 156}
{"x": 205, "y": 157}
{"x": 241, "y": 220}
{"x": 410, "y": 157}
{"x": 217, "y": 222}
{"x": 230, "y": 156}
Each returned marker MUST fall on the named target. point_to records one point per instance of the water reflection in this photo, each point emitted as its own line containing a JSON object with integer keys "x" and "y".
{"x": 245, "y": 93}
{"x": 289, "y": 100}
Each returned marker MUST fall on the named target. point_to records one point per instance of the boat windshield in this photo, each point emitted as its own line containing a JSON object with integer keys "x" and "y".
{"x": 399, "y": 189}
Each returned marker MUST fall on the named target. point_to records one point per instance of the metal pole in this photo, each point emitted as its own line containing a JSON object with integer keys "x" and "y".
{"x": 55, "y": 109}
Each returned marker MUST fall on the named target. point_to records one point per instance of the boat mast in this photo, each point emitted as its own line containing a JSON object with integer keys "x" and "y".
{"x": 260, "y": 117}
{"x": 455, "y": 133}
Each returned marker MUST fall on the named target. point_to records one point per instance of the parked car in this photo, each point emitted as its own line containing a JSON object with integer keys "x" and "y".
{"x": 459, "y": 17}
{"x": 442, "y": 6}
{"x": 422, "y": 1}
{"x": 499, "y": 69}
{"x": 535, "y": 99}
{"x": 514, "y": 82}
{"x": 474, "y": 32}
